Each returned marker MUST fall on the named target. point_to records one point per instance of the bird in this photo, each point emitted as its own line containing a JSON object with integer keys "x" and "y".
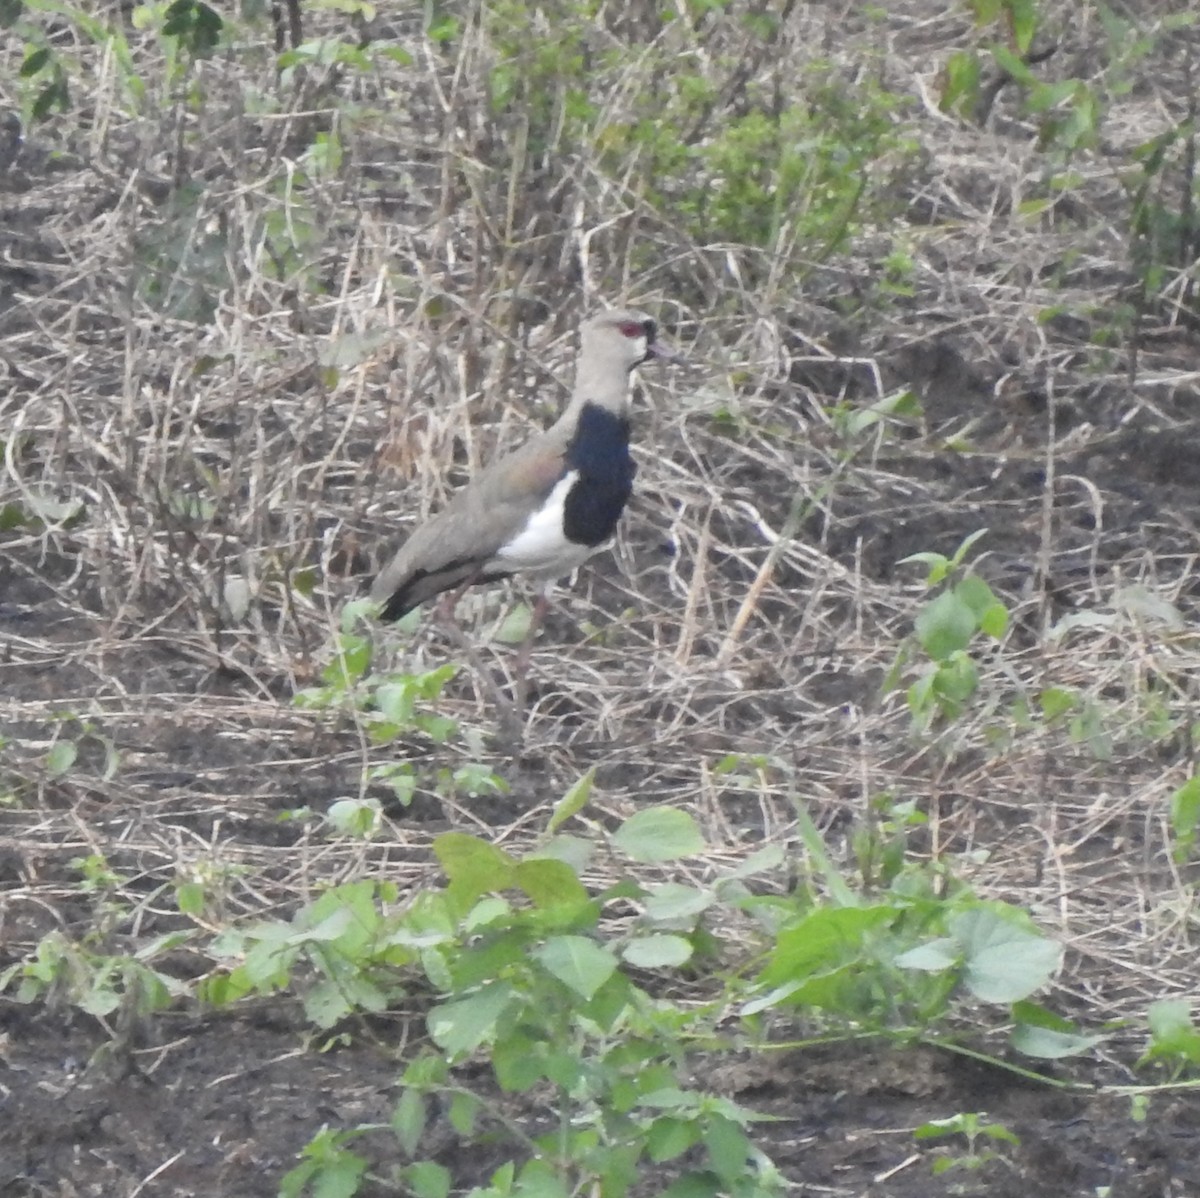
{"x": 542, "y": 510}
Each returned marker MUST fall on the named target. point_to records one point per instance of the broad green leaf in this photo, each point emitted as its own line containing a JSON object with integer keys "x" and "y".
{"x": 935, "y": 957}
{"x": 577, "y": 962}
{"x": 461, "y": 1026}
{"x": 517, "y": 1063}
{"x": 472, "y": 864}
{"x": 659, "y": 834}
{"x": 657, "y": 952}
{"x": 669, "y": 1137}
{"x": 324, "y": 1004}
{"x": 1049, "y": 1045}
{"x": 427, "y": 1179}
{"x": 1003, "y": 962}
{"x": 945, "y": 625}
{"x": 550, "y": 883}
{"x": 728, "y": 1148}
{"x": 821, "y": 941}
{"x": 675, "y": 902}
{"x": 574, "y": 851}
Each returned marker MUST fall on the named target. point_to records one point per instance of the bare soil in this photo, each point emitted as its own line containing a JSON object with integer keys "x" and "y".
{"x": 256, "y": 431}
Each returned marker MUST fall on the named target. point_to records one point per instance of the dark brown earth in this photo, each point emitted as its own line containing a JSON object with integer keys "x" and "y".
{"x": 221, "y": 1106}
{"x": 216, "y": 421}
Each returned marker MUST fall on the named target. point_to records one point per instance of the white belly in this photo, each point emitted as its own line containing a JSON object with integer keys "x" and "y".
{"x": 540, "y": 549}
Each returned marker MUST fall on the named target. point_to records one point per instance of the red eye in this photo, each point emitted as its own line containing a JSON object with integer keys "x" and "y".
{"x": 631, "y": 328}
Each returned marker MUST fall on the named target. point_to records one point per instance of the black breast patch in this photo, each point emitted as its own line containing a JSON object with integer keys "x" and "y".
{"x": 599, "y": 451}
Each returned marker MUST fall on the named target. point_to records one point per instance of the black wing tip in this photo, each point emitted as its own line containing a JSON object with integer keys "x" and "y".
{"x": 397, "y": 604}
{"x": 396, "y": 608}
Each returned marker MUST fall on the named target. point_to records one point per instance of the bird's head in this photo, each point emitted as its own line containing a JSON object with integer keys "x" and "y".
{"x": 626, "y": 336}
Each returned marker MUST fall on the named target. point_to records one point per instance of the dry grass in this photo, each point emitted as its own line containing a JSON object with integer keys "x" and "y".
{"x": 299, "y": 417}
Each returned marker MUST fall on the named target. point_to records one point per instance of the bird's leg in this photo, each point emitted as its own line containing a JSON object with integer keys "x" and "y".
{"x": 444, "y": 616}
{"x": 525, "y": 652}
{"x": 447, "y": 604}
{"x": 508, "y": 715}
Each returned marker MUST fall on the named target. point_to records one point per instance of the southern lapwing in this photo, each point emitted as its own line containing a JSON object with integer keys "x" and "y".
{"x": 544, "y": 509}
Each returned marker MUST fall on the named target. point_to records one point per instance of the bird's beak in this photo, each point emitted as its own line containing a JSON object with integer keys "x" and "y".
{"x": 659, "y": 349}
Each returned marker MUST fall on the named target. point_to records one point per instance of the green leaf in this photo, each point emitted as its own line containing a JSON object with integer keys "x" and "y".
{"x": 408, "y": 1119}
{"x": 962, "y": 74}
{"x": 822, "y": 940}
{"x": 325, "y": 1004}
{"x": 574, "y": 851}
{"x": 945, "y": 625}
{"x": 728, "y": 1148}
{"x": 474, "y": 866}
{"x": 461, "y": 1026}
{"x": 35, "y": 60}
{"x": 1046, "y": 1044}
{"x": 61, "y": 757}
{"x": 966, "y": 545}
{"x": 572, "y": 803}
{"x": 657, "y": 952}
{"x": 659, "y": 834}
{"x": 514, "y": 628}
{"x": 427, "y": 1179}
{"x": 1022, "y": 15}
{"x": 1003, "y": 962}
{"x": 464, "y": 1113}
{"x": 669, "y": 1137}
{"x": 550, "y": 883}
{"x": 541, "y": 1179}
{"x": 1185, "y": 816}
{"x": 696, "y": 1185}
{"x": 359, "y": 818}
{"x": 1172, "y": 1032}
{"x": 975, "y": 593}
{"x": 1055, "y": 701}
{"x": 196, "y": 25}
{"x": 1012, "y": 65}
{"x": 677, "y": 904}
{"x": 935, "y": 957}
{"x": 577, "y": 962}
{"x": 189, "y": 898}
{"x": 517, "y": 1063}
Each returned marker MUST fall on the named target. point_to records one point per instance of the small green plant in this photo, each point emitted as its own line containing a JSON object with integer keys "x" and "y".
{"x": 391, "y": 705}
{"x": 978, "y": 1132}
{"x": 1174, "y": 1038}
{"x": 530, "y": 977}
{"x": 892, "y": 960}
{"x": 62, "y": 971}
{"x": 945, "y": 628}
{"x": 1185, "y": 818}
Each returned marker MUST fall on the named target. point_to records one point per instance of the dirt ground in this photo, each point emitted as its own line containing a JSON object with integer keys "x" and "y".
{"x": 1075, "y": 447}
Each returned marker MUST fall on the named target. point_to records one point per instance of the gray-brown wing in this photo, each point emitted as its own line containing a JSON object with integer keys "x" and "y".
{"x": 450, "y": 548}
